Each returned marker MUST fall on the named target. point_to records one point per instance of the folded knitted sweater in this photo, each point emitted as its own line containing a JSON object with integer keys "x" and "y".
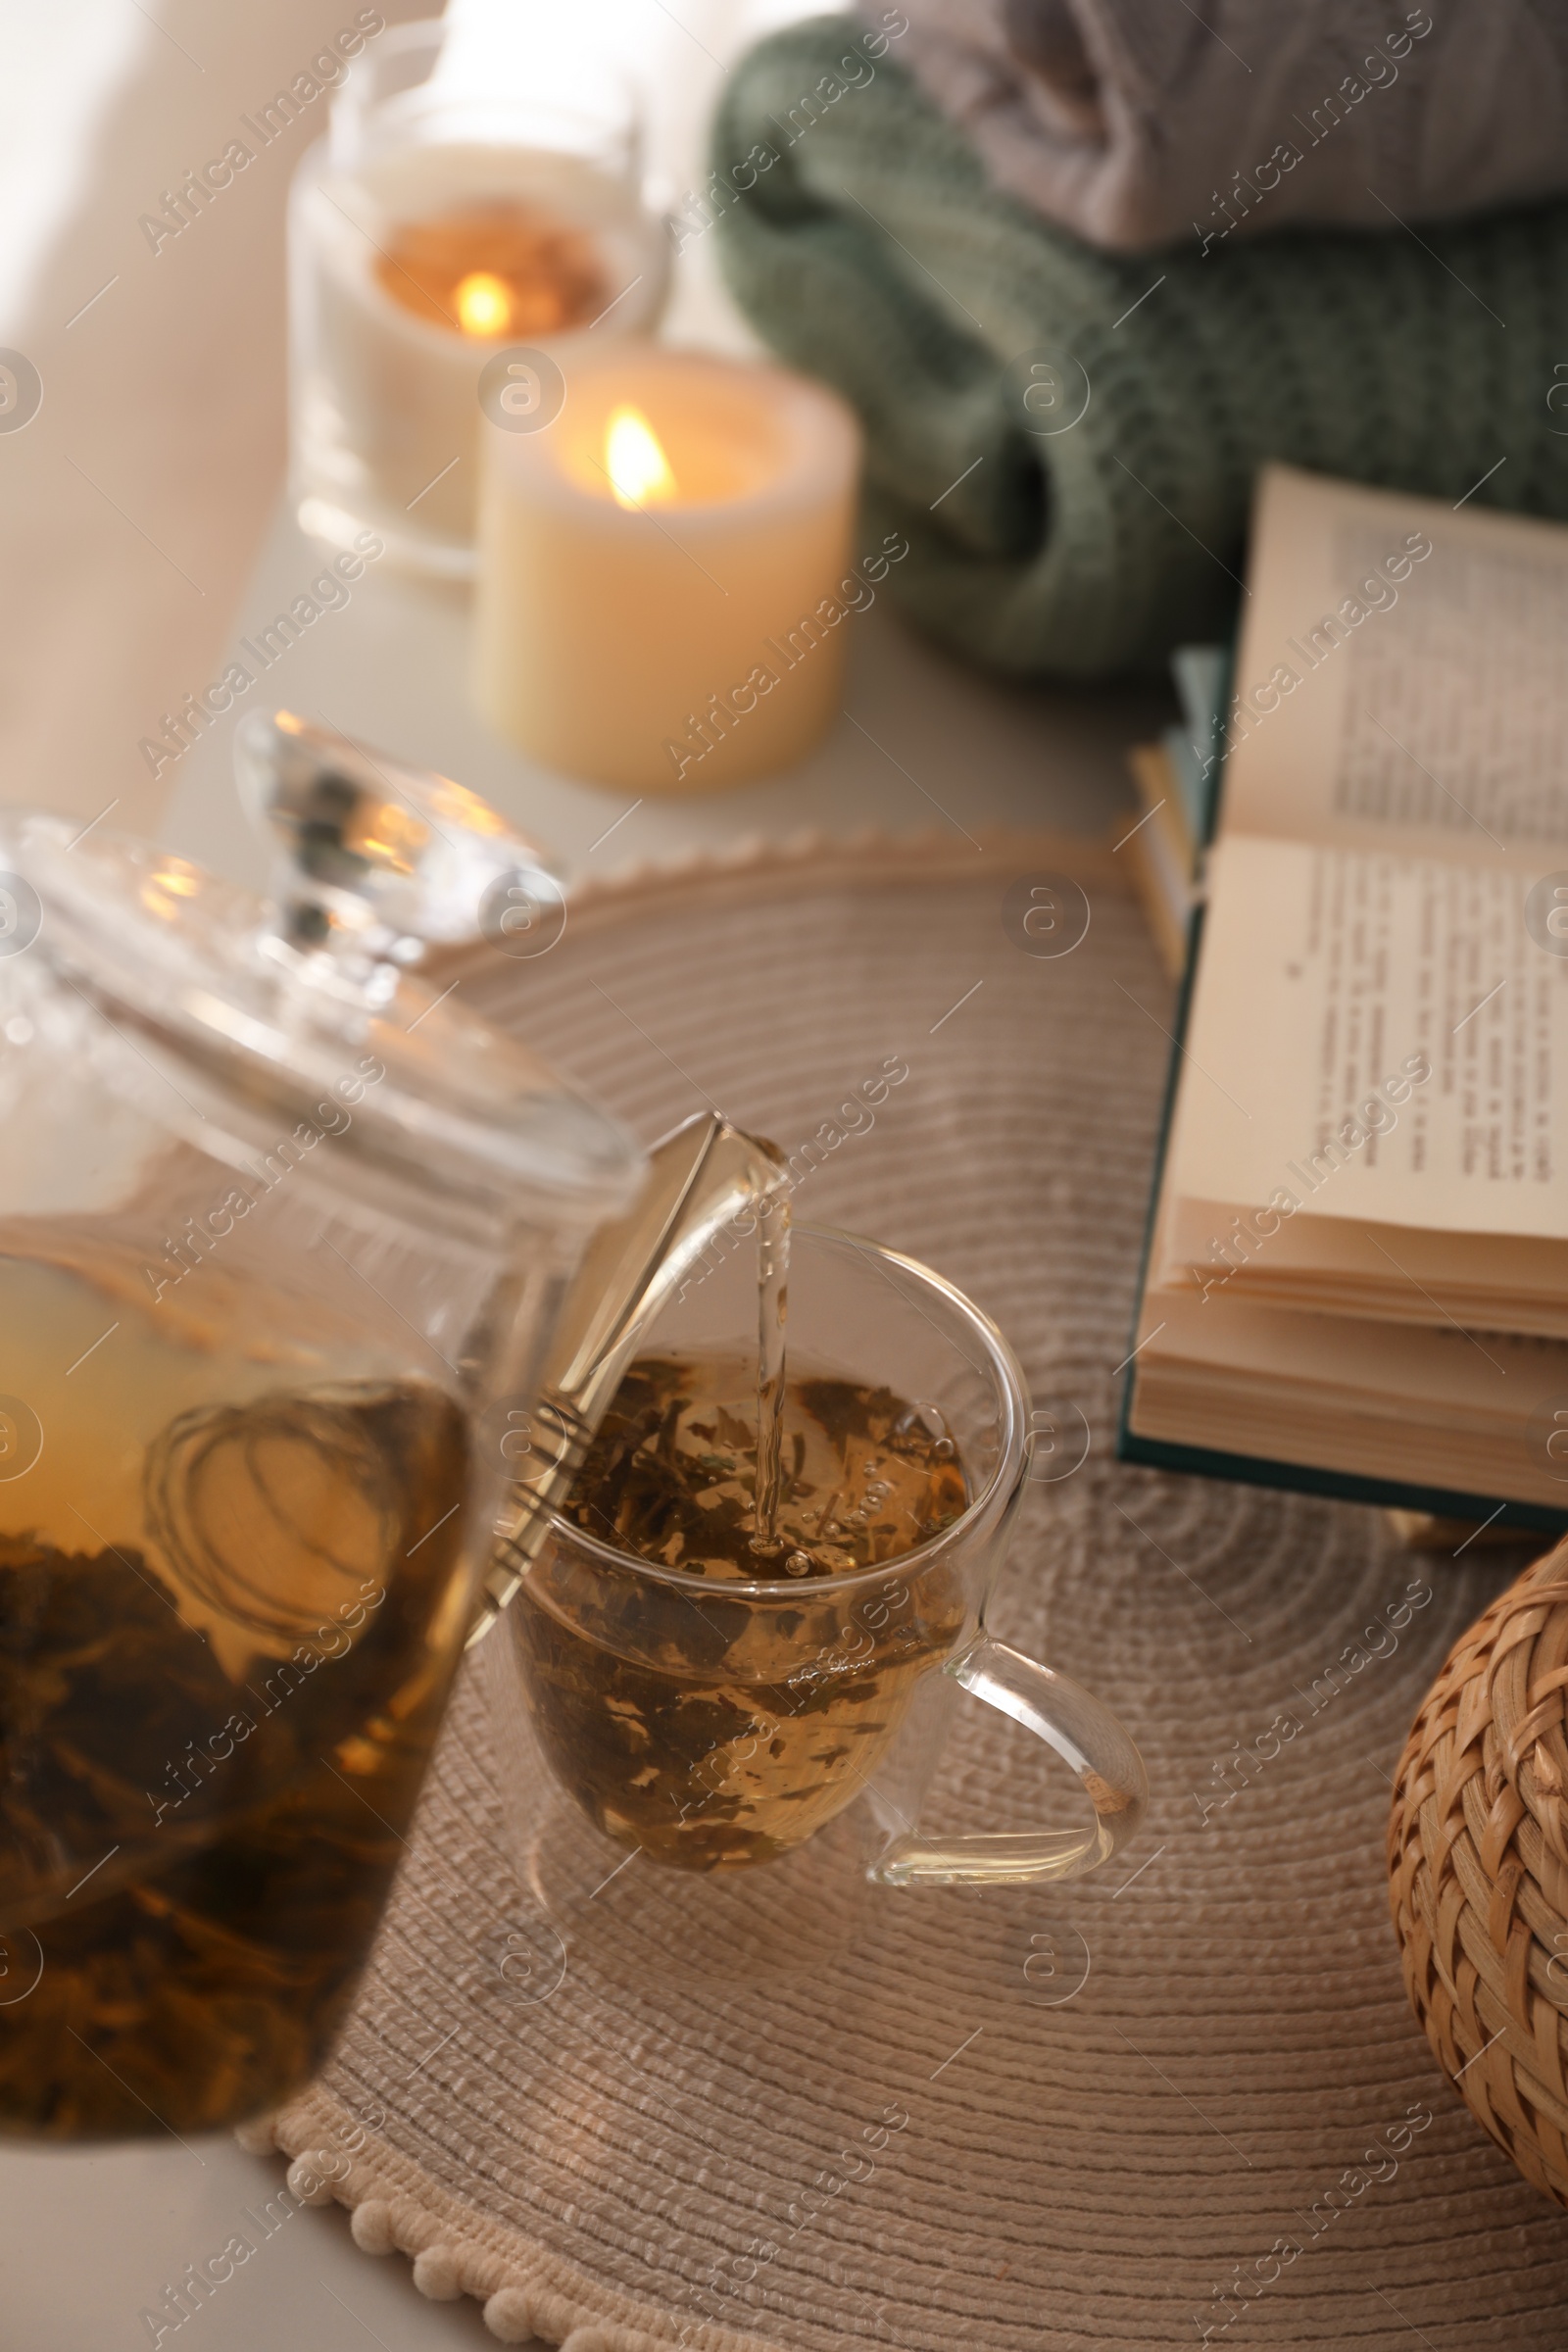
{"x": 1069, "y": 438}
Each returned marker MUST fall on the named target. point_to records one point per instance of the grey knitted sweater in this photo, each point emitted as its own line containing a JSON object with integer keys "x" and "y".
{"x": 1145, "y": 122}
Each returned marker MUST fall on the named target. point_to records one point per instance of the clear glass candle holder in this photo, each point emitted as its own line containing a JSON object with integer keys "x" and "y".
{"x": 449, "y": 215}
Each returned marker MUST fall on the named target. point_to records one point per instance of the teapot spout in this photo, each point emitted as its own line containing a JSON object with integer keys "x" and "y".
{"x": 700, "y": 1176}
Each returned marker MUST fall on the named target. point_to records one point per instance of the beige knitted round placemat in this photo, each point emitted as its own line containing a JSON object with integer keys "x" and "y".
{"x": 1182, "y": 2102}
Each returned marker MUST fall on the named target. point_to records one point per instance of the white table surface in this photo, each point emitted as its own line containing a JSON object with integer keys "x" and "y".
{"x": 924, "y": 742}
{"x": 88, "y": 2240}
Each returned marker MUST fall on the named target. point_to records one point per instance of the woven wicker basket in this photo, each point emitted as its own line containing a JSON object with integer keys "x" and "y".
{"x": 1478, "y": 1859}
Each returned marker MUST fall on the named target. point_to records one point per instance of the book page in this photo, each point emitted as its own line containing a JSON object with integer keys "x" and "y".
{"x": 1328, "y": 1265}
{"x": 1327, "y": 1357}
{"x": 1379, "y": 1400}
{"x": 1400, "y": 682}
{"x": 1374, "y": 1037}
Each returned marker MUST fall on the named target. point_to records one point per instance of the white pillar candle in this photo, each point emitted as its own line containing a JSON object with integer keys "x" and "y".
{"x": 665, "y": 570}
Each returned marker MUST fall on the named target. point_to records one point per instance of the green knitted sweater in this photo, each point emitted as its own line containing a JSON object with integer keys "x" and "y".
{"x": 872, "y": 252}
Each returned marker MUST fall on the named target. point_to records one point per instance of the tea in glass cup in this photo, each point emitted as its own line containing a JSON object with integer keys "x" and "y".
{"x": 724, "y": 1746}
{"x": 711, "y": 1694}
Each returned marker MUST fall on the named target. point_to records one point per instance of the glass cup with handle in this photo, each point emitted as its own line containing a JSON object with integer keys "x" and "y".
{"x": 708, "y": 1726}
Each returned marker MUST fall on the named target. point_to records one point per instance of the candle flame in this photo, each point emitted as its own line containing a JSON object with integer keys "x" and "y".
{"x": 638, "y": 468}
{"x": 484, "y": 304}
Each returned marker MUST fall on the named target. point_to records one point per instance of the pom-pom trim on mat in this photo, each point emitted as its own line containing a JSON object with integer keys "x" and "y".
{"x": 516, "y": 2308}
{"x": 1478, "y": 1862}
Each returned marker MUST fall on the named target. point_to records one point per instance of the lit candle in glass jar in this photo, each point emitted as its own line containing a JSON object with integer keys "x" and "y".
{"x": 665, "y": 569}
{"x": 440, "y": 223}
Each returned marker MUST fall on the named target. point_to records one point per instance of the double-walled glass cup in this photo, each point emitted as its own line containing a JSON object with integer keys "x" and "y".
{"x": 711, "y": 1725}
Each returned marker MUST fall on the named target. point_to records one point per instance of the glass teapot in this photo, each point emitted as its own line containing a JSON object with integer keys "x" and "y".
{"x": 289, "y": 1243}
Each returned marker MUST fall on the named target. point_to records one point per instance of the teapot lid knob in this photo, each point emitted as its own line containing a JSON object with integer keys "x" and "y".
{"x": 379, "y": 860}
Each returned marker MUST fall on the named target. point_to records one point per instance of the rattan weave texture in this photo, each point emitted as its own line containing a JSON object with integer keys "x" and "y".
{"x": 1478, "y": 1857}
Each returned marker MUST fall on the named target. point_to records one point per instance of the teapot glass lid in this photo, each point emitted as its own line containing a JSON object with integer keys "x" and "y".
{"x": 242, "y": 1011}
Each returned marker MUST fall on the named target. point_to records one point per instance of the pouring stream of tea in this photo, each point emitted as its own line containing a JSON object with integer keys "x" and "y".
{"x": 772, "y": 1293}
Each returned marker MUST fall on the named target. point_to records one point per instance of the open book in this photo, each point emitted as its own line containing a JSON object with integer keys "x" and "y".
{"x": 1359, "y": 1253}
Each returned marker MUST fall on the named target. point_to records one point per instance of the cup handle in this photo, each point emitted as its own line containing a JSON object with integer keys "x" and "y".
{"x": 1085, "y": 1734}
